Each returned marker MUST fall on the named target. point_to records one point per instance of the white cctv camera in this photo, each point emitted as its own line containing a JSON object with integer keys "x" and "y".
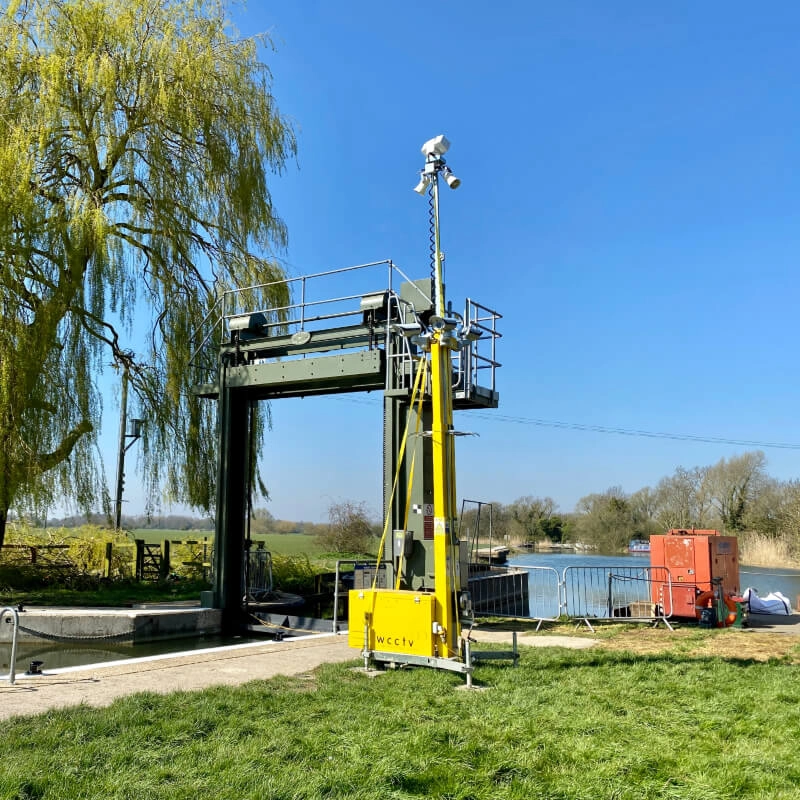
{"x": 437, "y": 146}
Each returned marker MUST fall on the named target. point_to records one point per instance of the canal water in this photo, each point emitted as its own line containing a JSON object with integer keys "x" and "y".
{"x": 763, "y": 579}
{"x": 55, "y": 655}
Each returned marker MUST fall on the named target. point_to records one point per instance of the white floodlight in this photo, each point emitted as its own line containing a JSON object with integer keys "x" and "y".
{"x": 437, "y": 146}
{"x": 443, "y": 323}
{"x": 472, "y": 334}
{"x": 408, "y": 329}
{"x": 452, "y": 181}
{"x": 247, "y": 322}
{"x": 423, "y": 184}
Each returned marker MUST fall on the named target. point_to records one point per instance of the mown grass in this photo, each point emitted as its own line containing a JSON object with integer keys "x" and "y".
{"x": 101, "y": 595}
{"x": 577, "y": 725}
{"x": 287, "y": 544}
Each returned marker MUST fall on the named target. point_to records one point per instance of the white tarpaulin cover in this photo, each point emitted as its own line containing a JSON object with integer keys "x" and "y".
{"x": 773, "y": 603}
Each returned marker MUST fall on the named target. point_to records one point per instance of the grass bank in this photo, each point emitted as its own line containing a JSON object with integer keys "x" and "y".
{"x": 565, "y": 725}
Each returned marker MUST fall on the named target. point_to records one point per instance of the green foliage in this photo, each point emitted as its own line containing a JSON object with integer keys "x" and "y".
{"x": 566, "y": 725}
{"x": 293, "y": 573}
{"x": 350, "y": 529}
{"x": 136, "y": 140}
{"x": 534, "y": 519}
{"x": 607, "y": 520}
{"x": 72, "y": 557}
{"x": 72, "y": 575}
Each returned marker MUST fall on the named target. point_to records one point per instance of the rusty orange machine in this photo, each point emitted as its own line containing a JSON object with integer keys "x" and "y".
{"x": 699, "y": 561}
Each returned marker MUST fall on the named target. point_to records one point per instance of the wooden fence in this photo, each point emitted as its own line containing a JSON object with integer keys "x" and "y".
{"x": 142, "y": 560}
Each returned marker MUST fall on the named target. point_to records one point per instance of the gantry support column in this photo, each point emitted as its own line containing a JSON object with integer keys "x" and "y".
{"x": 232, "y": 490}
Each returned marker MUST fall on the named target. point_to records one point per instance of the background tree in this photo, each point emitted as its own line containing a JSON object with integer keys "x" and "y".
{"x": 136, "y": 139}
{"x": 532, "y": 517}
{"x": 682, "y": 500}
{"x": 606, "y": 520}
{"x": 733, "y": 485}
{"x": 350, "y": 529}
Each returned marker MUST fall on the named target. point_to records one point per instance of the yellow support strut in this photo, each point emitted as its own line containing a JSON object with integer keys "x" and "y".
{"x": 445, "y": 551}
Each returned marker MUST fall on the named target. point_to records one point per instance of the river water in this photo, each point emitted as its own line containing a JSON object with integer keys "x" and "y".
{"x": 763, "y": 579}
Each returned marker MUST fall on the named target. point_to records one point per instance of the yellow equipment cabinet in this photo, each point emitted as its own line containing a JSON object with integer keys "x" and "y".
{"x": 397, "y": 621}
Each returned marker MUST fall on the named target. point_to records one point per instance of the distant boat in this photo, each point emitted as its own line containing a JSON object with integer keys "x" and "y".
{"x": 639, "y": 546}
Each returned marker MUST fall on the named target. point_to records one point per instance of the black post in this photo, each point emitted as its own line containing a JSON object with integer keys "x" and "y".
{"x": 232, "y": 482}
{"x": 139, "y": 559}
{"x": 123, "y": 418}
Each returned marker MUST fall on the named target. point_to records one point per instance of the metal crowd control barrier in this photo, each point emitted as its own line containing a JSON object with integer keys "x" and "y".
{"x": 617, "y": 592}
{"x": 636, "y": 594}
{"x": 518, "y": 591}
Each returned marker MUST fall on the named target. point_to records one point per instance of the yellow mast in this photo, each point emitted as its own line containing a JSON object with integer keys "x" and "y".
{"x": 445, "y": 548}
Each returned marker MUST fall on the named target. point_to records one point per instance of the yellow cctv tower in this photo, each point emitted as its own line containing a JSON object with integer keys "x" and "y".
{"x": 421, "y": 625}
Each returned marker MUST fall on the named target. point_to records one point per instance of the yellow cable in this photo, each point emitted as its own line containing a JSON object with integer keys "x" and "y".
{"x": 411, "y": 470}
{"x": 401, "y": 453}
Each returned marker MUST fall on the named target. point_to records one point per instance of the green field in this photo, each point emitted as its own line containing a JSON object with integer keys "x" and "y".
{"x": 285, "y": 544}
{"x": 564, "y": 725}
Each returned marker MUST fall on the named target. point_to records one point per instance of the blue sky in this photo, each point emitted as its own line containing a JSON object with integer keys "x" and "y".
{"x": 629, "y": 203}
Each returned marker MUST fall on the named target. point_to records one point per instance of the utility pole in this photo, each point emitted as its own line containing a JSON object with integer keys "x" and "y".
{"x": 135, "y": 434}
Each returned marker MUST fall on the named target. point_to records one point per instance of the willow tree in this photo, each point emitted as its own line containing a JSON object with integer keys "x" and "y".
{"x": 136, "y": 142}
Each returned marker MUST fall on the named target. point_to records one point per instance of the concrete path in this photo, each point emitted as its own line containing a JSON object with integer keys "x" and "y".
{"x": 100, "y": 685}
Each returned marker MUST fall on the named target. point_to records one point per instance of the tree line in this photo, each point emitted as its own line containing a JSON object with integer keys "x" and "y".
{"x": 733, "y": 495}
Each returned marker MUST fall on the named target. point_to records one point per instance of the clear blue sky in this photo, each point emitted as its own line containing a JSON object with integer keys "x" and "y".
{"x": 630, "y": 203}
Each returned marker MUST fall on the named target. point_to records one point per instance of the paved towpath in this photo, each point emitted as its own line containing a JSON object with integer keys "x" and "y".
{"x": 100, "y": 685}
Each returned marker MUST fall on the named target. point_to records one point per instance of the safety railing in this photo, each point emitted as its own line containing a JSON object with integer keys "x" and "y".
{"x": 14, "y": 614}
{"x": 313, "y": 302}
{"x": 340, "y": 297}
{"x": 477, "y": 364}
{"x": 363, "y": 575}
{"x": 587, "y": 593}
{"x": 256, "y": 574}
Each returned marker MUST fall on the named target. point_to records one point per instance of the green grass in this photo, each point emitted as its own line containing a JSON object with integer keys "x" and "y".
{"x": 287, "y": 544}
{"x": 116, "y": 594}
{"x": 565, "y": 725}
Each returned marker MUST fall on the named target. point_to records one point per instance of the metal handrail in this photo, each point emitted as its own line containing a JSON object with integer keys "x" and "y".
{"x": 12, "y": 675}
{"x": 469, "y": 364}
{"x": 354, "y": 562}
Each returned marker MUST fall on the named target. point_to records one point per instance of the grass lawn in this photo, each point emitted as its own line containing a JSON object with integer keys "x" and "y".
{"x": 285, "y": 544}
{"x": 618, "y": 721}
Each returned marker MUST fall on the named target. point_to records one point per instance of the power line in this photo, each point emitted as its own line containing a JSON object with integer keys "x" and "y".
{"x": 578, "y": 426}
{"x": 680, "y": 437}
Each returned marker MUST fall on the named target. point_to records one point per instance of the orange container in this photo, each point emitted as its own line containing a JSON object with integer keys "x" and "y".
{"x": 693, "y": 557}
